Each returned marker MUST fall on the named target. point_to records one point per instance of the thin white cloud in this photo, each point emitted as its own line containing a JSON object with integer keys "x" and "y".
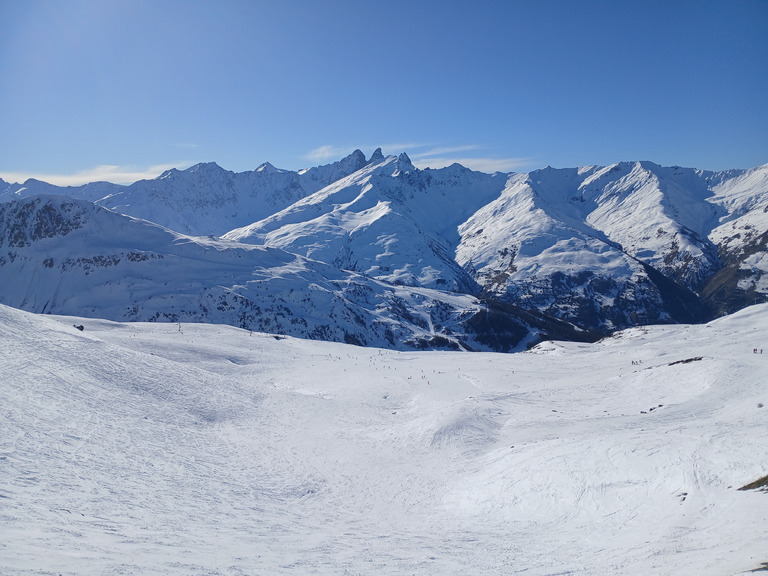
{"x": 401, "y": 147}
{"x": 328, "y": 152}
{"x": 100, "y": 173}
{"x": 447, "y": 150}
{"x": 488, "y": 165}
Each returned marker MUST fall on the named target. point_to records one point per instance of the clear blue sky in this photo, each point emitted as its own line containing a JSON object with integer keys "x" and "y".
{"x": 121, "y": 89}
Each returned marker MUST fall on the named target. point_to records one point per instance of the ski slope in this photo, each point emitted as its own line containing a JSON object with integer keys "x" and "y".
{"x": 206, "y": 449}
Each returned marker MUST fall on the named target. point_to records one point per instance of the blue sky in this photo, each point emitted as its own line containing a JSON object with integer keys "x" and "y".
{"x": 120, "y": 90}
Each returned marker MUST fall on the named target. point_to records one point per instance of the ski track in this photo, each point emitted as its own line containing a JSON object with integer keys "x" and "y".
{"x": 204, "y": 449}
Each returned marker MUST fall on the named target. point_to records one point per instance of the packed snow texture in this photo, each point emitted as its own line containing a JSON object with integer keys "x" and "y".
{"x": 205, "y": 449}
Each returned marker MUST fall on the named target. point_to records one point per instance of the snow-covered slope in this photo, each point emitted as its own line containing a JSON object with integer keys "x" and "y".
{"x": 605, "y": 248}
{"x": 616, "y": 246}
{"x": 742, "y": 235}
{"x": 205, "y": 449}
{"x": 519, "y": 251}
{"x": 659, "y": 215}
{"x": 204, "y": 199}
{"x": 66, "y": 256}
{"x": 389, "y": 221}
{"x": 602, "y": 248}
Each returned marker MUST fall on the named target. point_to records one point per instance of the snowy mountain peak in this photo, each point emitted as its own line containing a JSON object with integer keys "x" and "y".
{"x": 267, "y": 168}
{"x": 205, "y": 167}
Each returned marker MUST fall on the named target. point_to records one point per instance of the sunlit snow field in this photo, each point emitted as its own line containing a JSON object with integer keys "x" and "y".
{"x": 205, "y": 449}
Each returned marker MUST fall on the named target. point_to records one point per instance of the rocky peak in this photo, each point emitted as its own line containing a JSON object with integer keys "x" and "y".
{"x": 404, "y": 163}
{"x": 353, "y": 162}
{"x": 376, "y": 157}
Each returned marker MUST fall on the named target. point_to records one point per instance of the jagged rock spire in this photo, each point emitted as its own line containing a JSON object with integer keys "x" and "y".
{"x": 377, "y": 156}
{"x": 404, "y": 163}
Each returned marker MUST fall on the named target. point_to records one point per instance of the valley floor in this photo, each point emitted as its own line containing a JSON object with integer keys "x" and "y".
{"x": 205, "y": 449}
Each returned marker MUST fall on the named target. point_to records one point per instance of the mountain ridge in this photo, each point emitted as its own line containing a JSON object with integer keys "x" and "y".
{"x": 596, "y": 248}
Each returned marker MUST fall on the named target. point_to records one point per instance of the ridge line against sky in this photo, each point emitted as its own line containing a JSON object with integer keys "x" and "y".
{"x": 121, "y": 90}
{"x": 433, "y": 158}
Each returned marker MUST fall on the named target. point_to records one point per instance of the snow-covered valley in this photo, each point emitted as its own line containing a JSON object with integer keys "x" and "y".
{"x": 151, "y": 448}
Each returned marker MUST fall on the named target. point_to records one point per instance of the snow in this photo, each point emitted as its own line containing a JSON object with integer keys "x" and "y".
{"x": 387, "y": 220}
{"x": 456, "y": 229}
{"x": 601, "y": 248}
{"x": 131, "y": 448}
{"x": 745, "y": 204}
{"x": 203, "y": 199}
{"x": 594, "y": 227}
{"x": 757, "y": 265}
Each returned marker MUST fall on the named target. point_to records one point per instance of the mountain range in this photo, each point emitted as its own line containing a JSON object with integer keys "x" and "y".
{"x": 373, "y": 251}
